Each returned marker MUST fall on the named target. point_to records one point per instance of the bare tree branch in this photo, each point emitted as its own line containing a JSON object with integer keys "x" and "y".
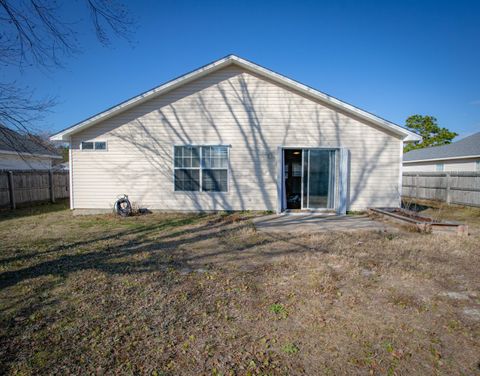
{"x": 108, "y": 15}
{"x": 34, "y": 34}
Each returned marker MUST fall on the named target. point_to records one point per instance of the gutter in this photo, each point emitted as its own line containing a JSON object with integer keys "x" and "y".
{"x": 442, "y": 159}
{"x": 27, "y": 154}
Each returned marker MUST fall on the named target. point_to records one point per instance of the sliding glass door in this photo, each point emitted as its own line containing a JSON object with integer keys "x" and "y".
{"x": 318, "y": 179}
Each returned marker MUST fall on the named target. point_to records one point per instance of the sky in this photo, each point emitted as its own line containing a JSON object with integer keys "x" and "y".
{"x": 393, "y": 59}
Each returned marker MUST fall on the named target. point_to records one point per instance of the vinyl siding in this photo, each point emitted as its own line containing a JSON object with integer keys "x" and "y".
{"x": 237, "y": 108}
{"x": 449, "y": 165}
{"x": 17, "y": 162}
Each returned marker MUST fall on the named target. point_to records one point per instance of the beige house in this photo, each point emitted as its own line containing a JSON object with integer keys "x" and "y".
{"x": 233, "y": 135}
{"x": 462, "y": 155}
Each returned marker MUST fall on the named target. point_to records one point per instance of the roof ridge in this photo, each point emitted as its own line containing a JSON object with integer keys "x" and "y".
{"x": 407, "y": 134}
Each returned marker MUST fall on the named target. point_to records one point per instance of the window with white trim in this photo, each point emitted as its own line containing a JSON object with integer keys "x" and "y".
{"x": 440, "y": 167}
{"x": 478, "y": 165}
{"x": 201, "y": 168}
{"x": 94, "y": 145}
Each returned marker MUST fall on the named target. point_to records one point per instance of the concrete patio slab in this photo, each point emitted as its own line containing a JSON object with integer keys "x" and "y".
{"x": 318, "y": 223}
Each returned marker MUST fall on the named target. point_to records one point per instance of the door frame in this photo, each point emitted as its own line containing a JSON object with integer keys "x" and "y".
{"x": 340, "y": 187}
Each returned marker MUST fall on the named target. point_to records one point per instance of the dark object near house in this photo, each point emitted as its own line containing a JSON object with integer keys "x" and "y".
{"x": 123, "y": 207}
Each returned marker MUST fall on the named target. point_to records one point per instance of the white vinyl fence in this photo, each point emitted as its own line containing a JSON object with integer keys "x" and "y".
{"x": 461, "y": 188}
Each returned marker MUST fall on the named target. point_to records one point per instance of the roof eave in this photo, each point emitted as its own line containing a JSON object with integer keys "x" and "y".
{"x": 64, "y": 135}
{"x": 443, "y": 158}
{"x": 408, "y": 135}
{"x": 27, "y": 154}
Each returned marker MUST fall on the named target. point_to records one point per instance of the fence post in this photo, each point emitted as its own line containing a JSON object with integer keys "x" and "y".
{"x": 416, "y": 185}
{"x": 51, "y": 186}
{"x": 11, "y": 190}
{"x": 448, "y": 183}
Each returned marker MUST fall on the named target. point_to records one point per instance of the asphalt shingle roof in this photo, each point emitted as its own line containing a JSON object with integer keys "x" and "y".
{"x": 465, "y": 147}
{"x": 15, "y": 142}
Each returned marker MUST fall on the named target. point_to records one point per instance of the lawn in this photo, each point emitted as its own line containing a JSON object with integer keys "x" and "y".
{"x": 177, "y": 294}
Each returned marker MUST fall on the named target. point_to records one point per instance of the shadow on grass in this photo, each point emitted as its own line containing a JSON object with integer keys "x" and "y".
{"x": 38, "y": 209}
{"x": 160, "y": 246}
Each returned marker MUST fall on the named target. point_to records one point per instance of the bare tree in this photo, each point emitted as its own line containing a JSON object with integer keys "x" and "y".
{"x": 34, "y": 35}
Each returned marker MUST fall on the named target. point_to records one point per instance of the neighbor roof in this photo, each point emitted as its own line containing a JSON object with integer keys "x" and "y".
{"x": 466, "y": 147}
{"x": 222, "y": 63}
{"x": 12, "y": 142}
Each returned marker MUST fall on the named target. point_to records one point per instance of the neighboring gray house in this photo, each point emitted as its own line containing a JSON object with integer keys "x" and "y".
{"x": 233, "y": 135}
{"x": 463, "y": 155}
{"x": 19, "y": 152}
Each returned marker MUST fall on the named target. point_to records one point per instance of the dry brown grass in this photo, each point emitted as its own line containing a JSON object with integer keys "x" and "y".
{"x": 171, "y": 294}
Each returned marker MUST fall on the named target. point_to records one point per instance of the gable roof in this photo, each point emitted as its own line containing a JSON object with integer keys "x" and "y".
{"x": 222, "y": 63}
{"x": 466, "y": 147}
{"x": 12, "y": 142}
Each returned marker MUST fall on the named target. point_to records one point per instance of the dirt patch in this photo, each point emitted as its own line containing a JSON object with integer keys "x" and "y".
{"x": 173, "y": 294}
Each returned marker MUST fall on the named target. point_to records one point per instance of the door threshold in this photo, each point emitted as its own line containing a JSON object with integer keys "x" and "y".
{"x": 324, "y": 212}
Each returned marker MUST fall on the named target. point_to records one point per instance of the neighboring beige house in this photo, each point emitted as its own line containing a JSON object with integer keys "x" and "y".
{"x": 233, "y": 135}
{"x": 19, "y": 152}
{"x": 463, "y": 155}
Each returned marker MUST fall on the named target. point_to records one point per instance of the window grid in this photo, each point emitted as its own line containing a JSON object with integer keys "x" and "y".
{"x": 214, "y": 158}
{"x": 93, "y": 145}
{"x": 187, "y": 157}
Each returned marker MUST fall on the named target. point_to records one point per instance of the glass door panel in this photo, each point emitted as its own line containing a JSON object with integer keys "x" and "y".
{"x": 318, "y": 179}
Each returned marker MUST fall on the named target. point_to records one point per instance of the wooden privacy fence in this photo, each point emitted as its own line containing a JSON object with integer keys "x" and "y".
{"x": 20, "y": 187}
{"x": 459, "y": 187}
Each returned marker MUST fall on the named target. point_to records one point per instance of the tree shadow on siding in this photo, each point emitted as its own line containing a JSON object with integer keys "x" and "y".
{"x": 236, "y": 116}
{"x": 179, "y": 130}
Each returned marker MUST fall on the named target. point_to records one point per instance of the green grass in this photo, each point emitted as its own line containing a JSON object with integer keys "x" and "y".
{"x": 290, "y": 348}
{"x": 279, "y": 310}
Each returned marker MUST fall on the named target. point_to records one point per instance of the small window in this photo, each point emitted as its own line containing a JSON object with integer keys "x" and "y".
{"x": 440, "y": 167}
{"x": 87, "y": 145}
{"x": 102, "y": 145}
{"x": 97, "y": 145}
{"x": 478, "y": 166}
{"x": 201, "y": 168}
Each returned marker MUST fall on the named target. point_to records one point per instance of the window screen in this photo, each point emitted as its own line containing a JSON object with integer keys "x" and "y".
{"x": 201, "y": 168}
{"x": 214, "y": 181}
{"x": 187, "y": 180}
{"x": 187, "y": 156}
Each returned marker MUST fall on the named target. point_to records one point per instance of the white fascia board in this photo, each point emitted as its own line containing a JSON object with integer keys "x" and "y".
{"x": 26, "y": 154}
{"x": 66, "y": 133}
{"x": 442, "y": 159}
{"x": 409, "y": 136}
